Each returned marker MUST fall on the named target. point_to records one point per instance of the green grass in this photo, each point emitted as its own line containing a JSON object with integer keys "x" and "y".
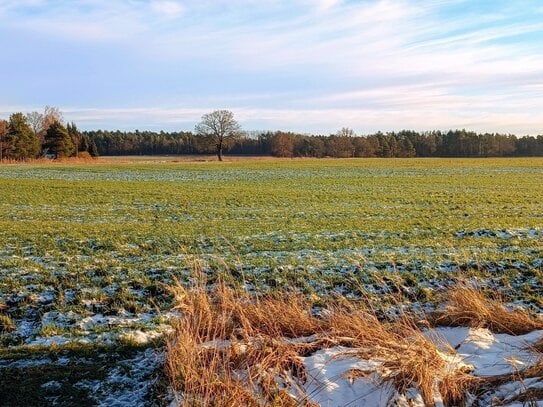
{"x": 113, "y": 218}
{"x": 165, "y": 207}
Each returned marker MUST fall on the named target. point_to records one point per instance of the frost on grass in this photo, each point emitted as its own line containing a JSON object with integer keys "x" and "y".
{"x": 128, "y": 383}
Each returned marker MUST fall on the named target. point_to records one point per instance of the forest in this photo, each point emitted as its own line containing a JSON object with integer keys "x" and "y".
{"x": 35, "y": 135}
{"x": 343, "y": 144}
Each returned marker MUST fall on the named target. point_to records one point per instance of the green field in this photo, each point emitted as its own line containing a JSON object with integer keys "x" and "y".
{"x": 86, "y": 250}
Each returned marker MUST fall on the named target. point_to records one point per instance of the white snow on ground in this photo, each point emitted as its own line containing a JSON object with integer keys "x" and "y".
{"x": 512, "y": 389}
{"x": 327, "y": 385}
{"x": 491, "y": 354}
{"x": 120, "y": 321}
{"x": 481, "y": 351}
{"x": 140, "y": 337}
{"x": 487, "y": 353}
{"x": 136, "y": 336}
{"x": 50, "y": 340}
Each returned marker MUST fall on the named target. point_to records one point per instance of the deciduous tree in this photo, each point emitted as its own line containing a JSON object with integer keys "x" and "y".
{"x": 40, "y": 122}
{"x": 221, "y": 126}
{"x": 282, "y": 144}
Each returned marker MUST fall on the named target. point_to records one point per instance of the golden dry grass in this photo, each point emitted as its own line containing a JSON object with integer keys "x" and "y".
{"x": 230, "y": 348}
{"x": 6, "y": 324}
{"x": 410, "y": 359}
{"x": 84, "y": 159}
{"x": 466, "y": 306}
{"x": 244, "y": 370}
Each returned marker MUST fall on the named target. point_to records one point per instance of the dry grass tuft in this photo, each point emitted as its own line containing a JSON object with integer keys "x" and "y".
{"x": 6, "y": 324}
{"x": 410, "y": 360}
{"x": 227, "y": 313}
{"x": 227, "y": 349}
{"x": 529, "y": 397}
{"x": 468, "y": 307}
{"x": 455, "y": 388}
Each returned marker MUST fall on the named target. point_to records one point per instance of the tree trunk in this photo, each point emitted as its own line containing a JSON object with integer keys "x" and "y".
{"x": 219, "y": 151}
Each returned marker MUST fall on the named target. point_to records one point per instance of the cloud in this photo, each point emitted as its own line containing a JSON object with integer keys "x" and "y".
{"x": 168, "y": 8}
{"x": 324, "y": 5}
{"x": 367, "y": 64}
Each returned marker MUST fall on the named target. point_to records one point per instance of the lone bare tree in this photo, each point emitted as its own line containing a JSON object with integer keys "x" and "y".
{"x": 221, "y": 126}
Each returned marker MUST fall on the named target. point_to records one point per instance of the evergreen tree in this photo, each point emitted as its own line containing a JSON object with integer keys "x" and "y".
{"x": 75, "y": 136}
{"x": 21, "y": 143}
{"x": 92, "y": 149}
{"x": 407, "y": 149}
{"x": 4, "y": 128}
{"x": 84, "y": 143}
{"x": 58, "y": 142}
{"x": 384, "y": 148}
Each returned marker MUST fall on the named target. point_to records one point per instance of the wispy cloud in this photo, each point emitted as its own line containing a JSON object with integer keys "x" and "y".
{"x": 168, "y": 8}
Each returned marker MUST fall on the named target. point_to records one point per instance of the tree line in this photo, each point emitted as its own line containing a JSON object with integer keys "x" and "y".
{"x": 34, "y": 135}
{"x": 343, "y": 144}
{"x": 45, "y": 134}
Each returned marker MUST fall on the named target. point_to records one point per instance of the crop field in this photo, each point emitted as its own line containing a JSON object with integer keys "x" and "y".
{"x": 89, "y": 252}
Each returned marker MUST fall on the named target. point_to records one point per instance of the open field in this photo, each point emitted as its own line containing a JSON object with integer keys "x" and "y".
{"x": 88, "y": 251}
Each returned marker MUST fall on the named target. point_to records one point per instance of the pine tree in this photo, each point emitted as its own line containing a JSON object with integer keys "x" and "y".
{"x": 58, "y": 142}
{"x": 84, "y": 143}
{"x": 21, "y": 143}
{"x": 407, "y": 148}
{"x": 93, "y": 150}
{"x": 384, "y": 148}
{"x": 75, "y": 136}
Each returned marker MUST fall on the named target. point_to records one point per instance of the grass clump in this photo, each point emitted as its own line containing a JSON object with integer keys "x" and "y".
{"x": 52, "y": 330}
{"x": 466, "y": 306}
{"x": 228, "y": 350}
{"x": 409, "y": 358}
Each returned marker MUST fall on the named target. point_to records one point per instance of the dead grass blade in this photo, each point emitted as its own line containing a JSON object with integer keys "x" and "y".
{"x": 228, "y": 347}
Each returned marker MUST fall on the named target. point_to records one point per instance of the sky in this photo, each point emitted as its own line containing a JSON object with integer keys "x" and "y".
{"x": 303, "y": 65}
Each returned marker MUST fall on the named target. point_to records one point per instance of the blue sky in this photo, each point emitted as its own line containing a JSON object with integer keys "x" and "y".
{"x": 302, "y": 65}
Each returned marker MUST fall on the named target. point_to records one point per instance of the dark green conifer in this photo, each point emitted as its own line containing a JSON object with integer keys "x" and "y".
{"x": 58, "y": 142}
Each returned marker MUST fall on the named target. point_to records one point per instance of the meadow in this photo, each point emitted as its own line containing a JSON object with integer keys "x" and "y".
{"x": 89, "y": 251}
